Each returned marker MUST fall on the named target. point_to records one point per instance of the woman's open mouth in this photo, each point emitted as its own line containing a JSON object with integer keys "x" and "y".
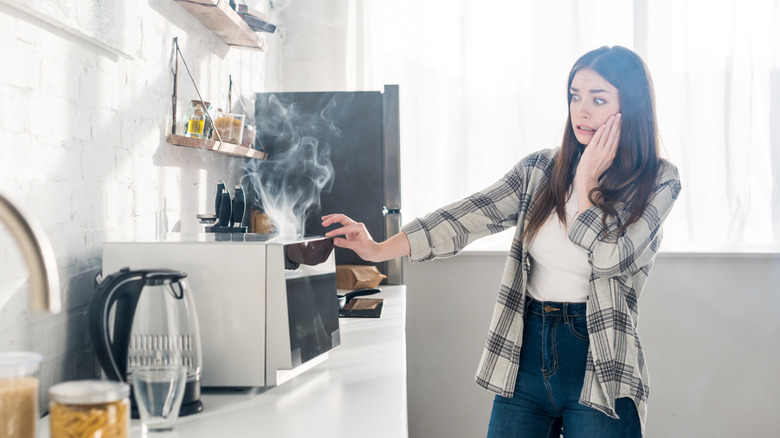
{"x": 586, "y": 130}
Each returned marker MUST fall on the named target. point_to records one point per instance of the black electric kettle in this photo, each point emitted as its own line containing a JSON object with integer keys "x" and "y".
{"x": 147, "y": 317}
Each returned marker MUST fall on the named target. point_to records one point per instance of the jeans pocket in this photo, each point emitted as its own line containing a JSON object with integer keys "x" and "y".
{"x": 579, "y": 328}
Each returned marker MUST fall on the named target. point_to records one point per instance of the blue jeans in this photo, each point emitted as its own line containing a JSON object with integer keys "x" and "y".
{"x": 550, "y": 379}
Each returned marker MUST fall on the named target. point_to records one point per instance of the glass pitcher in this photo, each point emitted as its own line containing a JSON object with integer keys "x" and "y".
{"x": 147, "y": 318}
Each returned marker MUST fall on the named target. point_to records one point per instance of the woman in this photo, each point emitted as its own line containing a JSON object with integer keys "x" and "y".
{"x": 562, "y": 351}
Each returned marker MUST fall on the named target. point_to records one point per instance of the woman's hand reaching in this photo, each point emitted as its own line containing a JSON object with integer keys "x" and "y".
{"x": 358, "y": 239}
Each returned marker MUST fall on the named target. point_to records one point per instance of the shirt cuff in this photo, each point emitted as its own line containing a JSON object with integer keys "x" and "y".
{"x": 419, "y": 241}
{"x": 587, "y": 227}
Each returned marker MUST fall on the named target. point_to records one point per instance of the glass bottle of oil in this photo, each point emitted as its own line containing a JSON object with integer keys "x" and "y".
{"x": 196, "y": 119}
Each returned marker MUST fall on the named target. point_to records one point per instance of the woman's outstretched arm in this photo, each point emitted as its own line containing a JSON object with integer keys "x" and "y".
{"x": 357, "y": 238}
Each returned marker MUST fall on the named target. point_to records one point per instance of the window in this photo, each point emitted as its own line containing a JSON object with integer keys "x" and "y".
{"x": 484, "y": 84}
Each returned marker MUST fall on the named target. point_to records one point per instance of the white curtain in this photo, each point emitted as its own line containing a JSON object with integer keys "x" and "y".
{"x": 716, "y": 67}
{"x": 483, "y": 83}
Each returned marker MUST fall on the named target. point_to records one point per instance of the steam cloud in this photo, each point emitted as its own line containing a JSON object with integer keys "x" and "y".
{"x": 288, "y": 184}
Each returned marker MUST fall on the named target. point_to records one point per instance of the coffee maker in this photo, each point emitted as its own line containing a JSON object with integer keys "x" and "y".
{"x": 147, "y": 317}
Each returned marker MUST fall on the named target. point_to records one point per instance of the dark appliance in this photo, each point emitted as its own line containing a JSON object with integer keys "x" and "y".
{"x": 363, "y": 139}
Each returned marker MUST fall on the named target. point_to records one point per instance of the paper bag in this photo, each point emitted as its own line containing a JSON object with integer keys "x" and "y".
{"x": 358, "y": 277}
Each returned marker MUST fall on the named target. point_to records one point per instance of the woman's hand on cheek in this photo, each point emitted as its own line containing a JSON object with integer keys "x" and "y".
{"x": 601, "y": 151}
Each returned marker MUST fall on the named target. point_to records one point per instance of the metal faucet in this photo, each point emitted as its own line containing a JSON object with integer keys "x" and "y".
{"x": 39, "y": 256}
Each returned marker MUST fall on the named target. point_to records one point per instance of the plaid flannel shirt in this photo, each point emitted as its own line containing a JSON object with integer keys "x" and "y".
{"x": 615, "y": 365}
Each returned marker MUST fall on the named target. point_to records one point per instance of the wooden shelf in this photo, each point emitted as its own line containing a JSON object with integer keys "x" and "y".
{"x": 217, "y": 146}
{"x": 220, "y": 18}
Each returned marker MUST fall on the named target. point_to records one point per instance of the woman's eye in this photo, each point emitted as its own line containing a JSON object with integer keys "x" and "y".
{"x": 575, "y": 98}
{"x": 598, "y": 101}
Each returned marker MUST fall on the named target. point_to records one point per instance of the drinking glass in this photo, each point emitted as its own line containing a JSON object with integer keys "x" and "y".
{"x": 159, "y": 391}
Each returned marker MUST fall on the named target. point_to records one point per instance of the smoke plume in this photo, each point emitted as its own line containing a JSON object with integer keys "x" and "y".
{"x": 287, "y": 185}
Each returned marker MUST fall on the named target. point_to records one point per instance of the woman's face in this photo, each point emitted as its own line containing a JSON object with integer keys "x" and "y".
{"x": 593, "y": 100}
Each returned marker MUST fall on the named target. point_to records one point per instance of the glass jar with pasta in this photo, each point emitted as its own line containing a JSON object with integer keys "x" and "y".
{"x": 228, "y": 127}
{"x": 89, "y": 409}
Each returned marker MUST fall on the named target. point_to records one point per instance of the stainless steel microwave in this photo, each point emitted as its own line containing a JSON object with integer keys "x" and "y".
{"x": 267, "y": 306}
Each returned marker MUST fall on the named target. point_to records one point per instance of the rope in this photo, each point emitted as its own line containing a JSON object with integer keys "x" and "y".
{"x": 202, "y": 102}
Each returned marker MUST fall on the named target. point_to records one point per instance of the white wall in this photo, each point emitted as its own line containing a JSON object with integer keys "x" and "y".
{"x": 323, "y": 47}
{"x": 315, "y": 46}
{"x": 83, "y": 151}
{"x": 710, "y": 326}
{"x": 449, "y": 304}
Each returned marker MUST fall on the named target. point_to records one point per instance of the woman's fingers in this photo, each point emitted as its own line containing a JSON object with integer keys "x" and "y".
{"x": 608, "y": 137}
{"x": 606, "y": 131}
{"x": 613, "y": 138}
{"x": 346, "y": 243}
{"x": 352, "y": 230}
{"x": 619, "y": 123}
{"x": 601, "y": 150}
{"x": 336, "y": 218}
{"x": 597, "y": 137}
{"x": 352, "y": 235}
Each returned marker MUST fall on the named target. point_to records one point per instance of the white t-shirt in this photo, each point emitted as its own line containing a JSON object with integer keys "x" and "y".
{"x": 559, "y": 269}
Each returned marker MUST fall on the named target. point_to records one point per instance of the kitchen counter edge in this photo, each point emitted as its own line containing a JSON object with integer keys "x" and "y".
{"x": 358, "y": 391}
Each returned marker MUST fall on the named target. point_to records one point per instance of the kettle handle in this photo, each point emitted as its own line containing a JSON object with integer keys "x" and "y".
{"x": 123, "y": 288}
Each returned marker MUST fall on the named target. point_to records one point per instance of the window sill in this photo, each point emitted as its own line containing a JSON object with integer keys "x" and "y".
{"x": 502, "y": 249}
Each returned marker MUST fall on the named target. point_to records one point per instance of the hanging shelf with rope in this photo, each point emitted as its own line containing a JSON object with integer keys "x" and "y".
{"x": 217, "y": 144}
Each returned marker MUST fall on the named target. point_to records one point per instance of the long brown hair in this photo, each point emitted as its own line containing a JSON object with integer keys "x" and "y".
{"x": 632, "y": 177}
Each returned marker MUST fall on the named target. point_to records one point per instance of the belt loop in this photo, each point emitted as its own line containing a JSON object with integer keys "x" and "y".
{"x": 565, "y": 313}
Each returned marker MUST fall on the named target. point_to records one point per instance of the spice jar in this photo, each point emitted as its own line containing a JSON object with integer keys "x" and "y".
{"x": 230, "y": 127}
{"x": 196, "y": 119}
{"x": 19, "y": 394}
{"x": 89, "y": 409}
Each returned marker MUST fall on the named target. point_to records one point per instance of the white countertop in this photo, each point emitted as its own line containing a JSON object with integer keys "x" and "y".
{"x": 359, "y": 391}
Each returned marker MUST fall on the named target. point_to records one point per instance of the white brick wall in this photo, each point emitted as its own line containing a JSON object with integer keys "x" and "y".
{"x": 83, "y": 151}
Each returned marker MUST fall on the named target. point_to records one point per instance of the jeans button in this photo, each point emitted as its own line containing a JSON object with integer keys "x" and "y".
{"x": 548, "y": 308}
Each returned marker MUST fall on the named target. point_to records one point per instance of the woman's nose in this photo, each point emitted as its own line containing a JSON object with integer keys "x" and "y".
{"x": 582, "y": 111}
